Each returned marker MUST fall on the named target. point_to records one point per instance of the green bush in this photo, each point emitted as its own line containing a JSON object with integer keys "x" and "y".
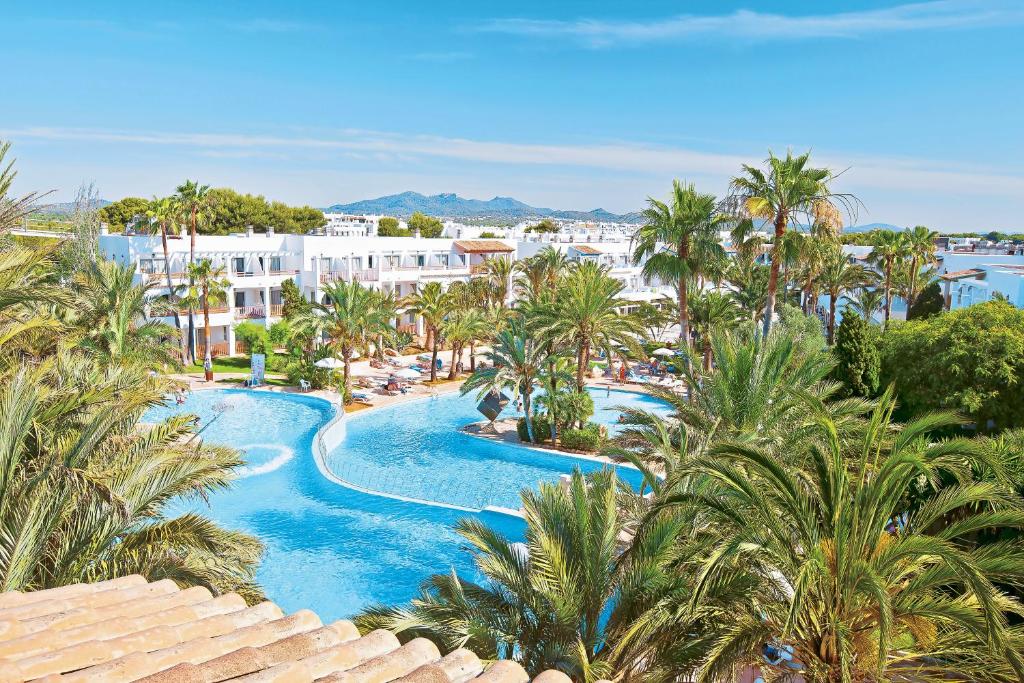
{"x": 255, "y": 337}
{"x": 970, "y": 360}
{"x": 541, "y": 429}
{"x": 587, "y": 439}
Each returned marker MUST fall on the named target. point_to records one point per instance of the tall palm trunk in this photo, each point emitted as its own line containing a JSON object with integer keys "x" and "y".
{"x": 913, "y": 282}
{"x": 170, "y": 285}
{"x": 888, "y": 292}
{"x": 456, "y": 356}
{"x": 581, "y": 363}
{"x": 347, "y": 376}
{"x": 552, "y": 394}
{"x": 433, "y": 356}
{"x": 832, "y": 316}
{"x": 773, "y": 278}
{"x": 472, "y": 356}
{"x": 191, "y": 282}
{"x": 208, "y": 360}
{"x": 707, "y": 353}
{"x": 684, "y": 298}
{"x": 526, "y": 411}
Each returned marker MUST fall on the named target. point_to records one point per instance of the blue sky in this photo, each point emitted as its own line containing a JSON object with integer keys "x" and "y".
{"x": 567, "y": 104}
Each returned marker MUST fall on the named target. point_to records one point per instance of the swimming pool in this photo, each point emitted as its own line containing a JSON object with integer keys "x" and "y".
{"x": 417, "y": 450}
{"x": 335, "y": 549}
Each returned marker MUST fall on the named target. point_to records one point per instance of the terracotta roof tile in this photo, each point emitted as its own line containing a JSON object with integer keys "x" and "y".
{"x": 960, "y": 274}
{"x": 587, "y": 249}
{"x": 130, "y": 630}
{"x": 483, "y": 247}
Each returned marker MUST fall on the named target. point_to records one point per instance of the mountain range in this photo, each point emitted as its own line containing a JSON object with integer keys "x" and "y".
{"x": 452, "y": 206}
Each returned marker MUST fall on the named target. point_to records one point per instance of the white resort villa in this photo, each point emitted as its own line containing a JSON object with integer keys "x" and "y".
{"x": 257, "y": 263}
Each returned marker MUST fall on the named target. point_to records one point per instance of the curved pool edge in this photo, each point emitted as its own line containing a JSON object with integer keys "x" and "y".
{"x": 333, "y": 431}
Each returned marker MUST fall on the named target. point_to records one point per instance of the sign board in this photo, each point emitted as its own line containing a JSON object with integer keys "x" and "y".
{"x": 258, "y": 366}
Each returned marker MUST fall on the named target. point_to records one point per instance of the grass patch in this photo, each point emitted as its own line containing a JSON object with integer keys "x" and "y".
{"x": 229, "y": 364}
{"x": 269, "y": 381}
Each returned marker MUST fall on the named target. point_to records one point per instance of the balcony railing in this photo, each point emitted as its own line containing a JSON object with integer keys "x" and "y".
{"x": 250, "y": 312}
{"x": 246, "y": 312}
{"x": 160, "y": 277}
{"x": 216, "y": 349}
{"x": 478, "y": 269}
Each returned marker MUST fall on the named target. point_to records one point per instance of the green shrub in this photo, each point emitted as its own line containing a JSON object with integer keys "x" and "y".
{"x": 255, "y": 337}
{"x": 587, "y": 439}
{"x": 541, "y": 429}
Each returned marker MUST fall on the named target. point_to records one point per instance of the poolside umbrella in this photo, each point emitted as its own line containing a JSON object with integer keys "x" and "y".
{"x": 330, "y": 363}
{"x": 664, "y": 352}
{"x": 407, "y": 373}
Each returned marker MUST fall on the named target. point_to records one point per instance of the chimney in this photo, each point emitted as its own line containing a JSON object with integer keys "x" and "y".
{"x": 270, "y": 231}
{"x": 104, "y": 229}
{"x": 416, "y": 233}
{"x": 248, "y": 231}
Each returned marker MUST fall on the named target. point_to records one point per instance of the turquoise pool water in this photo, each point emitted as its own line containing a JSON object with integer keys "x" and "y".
{"x": 334, "y": 549}
{"x": 416, "y": 450}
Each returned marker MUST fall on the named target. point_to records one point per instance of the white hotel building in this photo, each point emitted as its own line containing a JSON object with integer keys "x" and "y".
{"x": 257, "y": 263}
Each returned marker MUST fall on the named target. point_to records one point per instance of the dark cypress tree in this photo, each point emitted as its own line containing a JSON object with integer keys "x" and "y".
{"x": 857, "y": 354}
{"x": 929, "y": 302}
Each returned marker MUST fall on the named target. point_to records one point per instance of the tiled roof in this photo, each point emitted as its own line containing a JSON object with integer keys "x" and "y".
{"x": 482, "y": 246}
{"x": 586, "y": 249}
{"x": 960, "y": 274}
{"x": 129, "y": 630}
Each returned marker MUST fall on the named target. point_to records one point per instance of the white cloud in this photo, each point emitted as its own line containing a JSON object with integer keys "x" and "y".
{"x": 751, "y": 25}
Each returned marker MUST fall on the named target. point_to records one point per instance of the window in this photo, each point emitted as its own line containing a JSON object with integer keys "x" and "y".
{"x": 421, "y": 260}
{"x": 239, "y": 299}
{"x": 275, "y": 264}
{"x": 238, "y": 264}
{"x": 369, "y": 260}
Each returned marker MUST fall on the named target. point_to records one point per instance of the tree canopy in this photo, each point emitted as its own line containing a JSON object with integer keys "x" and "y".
{"x": 970, "y": 360}
{"x": 427, "y": 225}
{"x": 123, "y": 212}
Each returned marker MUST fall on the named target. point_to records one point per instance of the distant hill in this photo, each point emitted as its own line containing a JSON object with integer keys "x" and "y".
{"x": 67, "y": 208}
{"x": 452, "y": 206}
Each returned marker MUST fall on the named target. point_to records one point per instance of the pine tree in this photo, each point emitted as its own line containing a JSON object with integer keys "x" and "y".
{"x": 857, "y": 354}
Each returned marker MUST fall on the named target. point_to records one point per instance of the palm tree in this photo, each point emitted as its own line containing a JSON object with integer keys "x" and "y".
{"x": 163, "y": 212}
{"x": 585, "y": 315}
{"x": 459, "y": 328}
{"x": 749, "y": 282}
{"x": 13, "y": 211}
{"x": 866, "y": 301}
{"x": 838, "y": 570}
{"x": 712, "y": 312}
{"x": 432, "y": 305}
{"x": 516, "y": 360}
{"x": 544, "y": 603}
{"x": 208, "y": 286}
{"x": 191, "y": 199}
{"x": 837, "y": 276}
{"x": 790, "y": 189}
{"x": 671, "y": 239}
{"x": 351, "y": 315}
{"x": 86, "y": 495}
{"x": 921, "y": 247}
{"x": 754, "y": 389}
{"x": 890, "y": 248}
{"x": 110, "y": 321}
{"x": 499, "y": 271}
